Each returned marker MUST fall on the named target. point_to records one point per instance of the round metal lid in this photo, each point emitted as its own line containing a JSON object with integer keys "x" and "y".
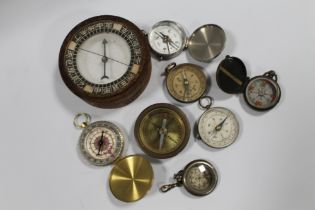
{"x": 131, "y": 178}
{"x": 206, "y": 43}
{"x": 232, "y": 75}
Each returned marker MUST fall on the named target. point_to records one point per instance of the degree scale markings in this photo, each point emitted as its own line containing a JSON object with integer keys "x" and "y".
{"x": 101, "y": 142}
{"x": 86, "y": 33}
{"x": 218, "y": 127}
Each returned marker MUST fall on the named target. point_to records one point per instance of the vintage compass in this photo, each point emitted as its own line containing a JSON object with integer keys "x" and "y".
{"x": 168, "y": 39}
{"x": 131, "y": 178}
{"x": 199, "y": 178}
{"x": 101, "y": 142}
{"x": 105, "y": 60}
{"x": 162, "y": 130}
{"x": 217, "y": 127}
{"x": 186, "y": 82}
{"x": 261, "y": 92}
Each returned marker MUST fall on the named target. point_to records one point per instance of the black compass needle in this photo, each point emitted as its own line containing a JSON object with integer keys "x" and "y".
{"x": 186, "y": 84}
{"x": 168, "y": 48}
{"x": 159, "y": 35}
{"x": 104, "y": 60}
{"x": 169, "y": 40}
{"x": 100, "y": 144}
{"x": 220, "y": 125}
{"x": 103, "y": 56}
{"x": 165, "y": 40}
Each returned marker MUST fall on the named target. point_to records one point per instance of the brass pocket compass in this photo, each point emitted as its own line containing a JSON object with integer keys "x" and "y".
{"x": 167, "y": 40}
{"x": 186, "y": 82}
{"x": 162, "y": 130}
{"x": 261, "y": 92}
{"x": 217, "y": 127}
{"x": 101, "y": 143}
{"x": 198, "y": 177}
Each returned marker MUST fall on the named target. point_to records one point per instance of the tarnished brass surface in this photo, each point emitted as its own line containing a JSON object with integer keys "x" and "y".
{"x": 162, "y": 130}
{"x": 186, "y": 82}
{"x": 131, "y": 178}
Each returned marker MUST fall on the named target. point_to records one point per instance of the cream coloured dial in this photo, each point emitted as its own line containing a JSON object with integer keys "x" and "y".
{"x": 98, "y": 69}
{"x": 101, "y": 142}
{"x": 218, "y": 127}
{"x": 167, "y": 39}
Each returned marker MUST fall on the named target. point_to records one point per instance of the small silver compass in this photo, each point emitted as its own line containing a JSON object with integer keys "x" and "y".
{"x": 198, "y": 177}
{"x": 167, "y": 40}
{"x": 217, "y": 127}
{"x": 101, "y": 142}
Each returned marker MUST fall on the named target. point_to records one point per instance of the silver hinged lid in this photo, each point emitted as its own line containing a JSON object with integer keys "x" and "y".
{"x": 206, "y": 42}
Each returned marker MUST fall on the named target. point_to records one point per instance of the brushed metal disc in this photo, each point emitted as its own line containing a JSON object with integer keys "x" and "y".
{"x": 206, "y": 43}
{"x": 131, "y": 178}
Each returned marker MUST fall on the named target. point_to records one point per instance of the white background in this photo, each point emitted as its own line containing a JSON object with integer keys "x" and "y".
{"x": 270, "y": 166}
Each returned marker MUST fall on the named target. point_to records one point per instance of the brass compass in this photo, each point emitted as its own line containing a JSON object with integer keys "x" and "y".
{"x": 131, "y": 178}
{"x": 101, "y": 143}
{"x": 186, "y": 82}
{"x": 198, "y": 177}
{"x": 162, "y": 130}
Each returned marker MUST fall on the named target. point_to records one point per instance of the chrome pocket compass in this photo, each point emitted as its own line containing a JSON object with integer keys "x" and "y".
{"x": 198, "y": 177}
{"x": 261, "y": 92}
{"x": 101, "y": 142}
{"x": 167, "y": 40}
{"x": 217, "y": 126}
{"x": 185, "y": 82}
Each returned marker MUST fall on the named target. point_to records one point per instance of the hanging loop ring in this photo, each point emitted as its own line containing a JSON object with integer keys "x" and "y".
{"x": 205, "y": 102}
{"x": 167, "y": 187}
{"x": 81, "y": 120}
{"x": 271, "y": 74}
{"x": 169, "y": 67}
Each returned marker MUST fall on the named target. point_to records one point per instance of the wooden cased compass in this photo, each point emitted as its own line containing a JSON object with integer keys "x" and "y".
{"x": 105, "y": 60}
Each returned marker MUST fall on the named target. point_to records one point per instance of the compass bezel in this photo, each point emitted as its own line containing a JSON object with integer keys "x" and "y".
{"x": 129, "y": 86}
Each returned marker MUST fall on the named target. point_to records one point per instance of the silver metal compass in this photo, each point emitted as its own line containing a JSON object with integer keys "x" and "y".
{"x": 217, "y": 127}
{"x": 101, "y": 142}
{"x": 198, "y": 177}
{"x": 167, "y": 39}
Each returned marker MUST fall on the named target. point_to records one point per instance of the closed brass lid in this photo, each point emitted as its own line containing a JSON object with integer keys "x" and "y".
{"x": 131, "y": 178}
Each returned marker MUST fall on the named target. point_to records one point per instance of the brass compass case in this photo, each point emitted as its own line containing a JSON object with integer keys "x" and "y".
{"x": 105, "y": 60}
{"x": 162, "y": 130}
{"x": 131, "y": 178}
{"x": 186, "y": 82}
